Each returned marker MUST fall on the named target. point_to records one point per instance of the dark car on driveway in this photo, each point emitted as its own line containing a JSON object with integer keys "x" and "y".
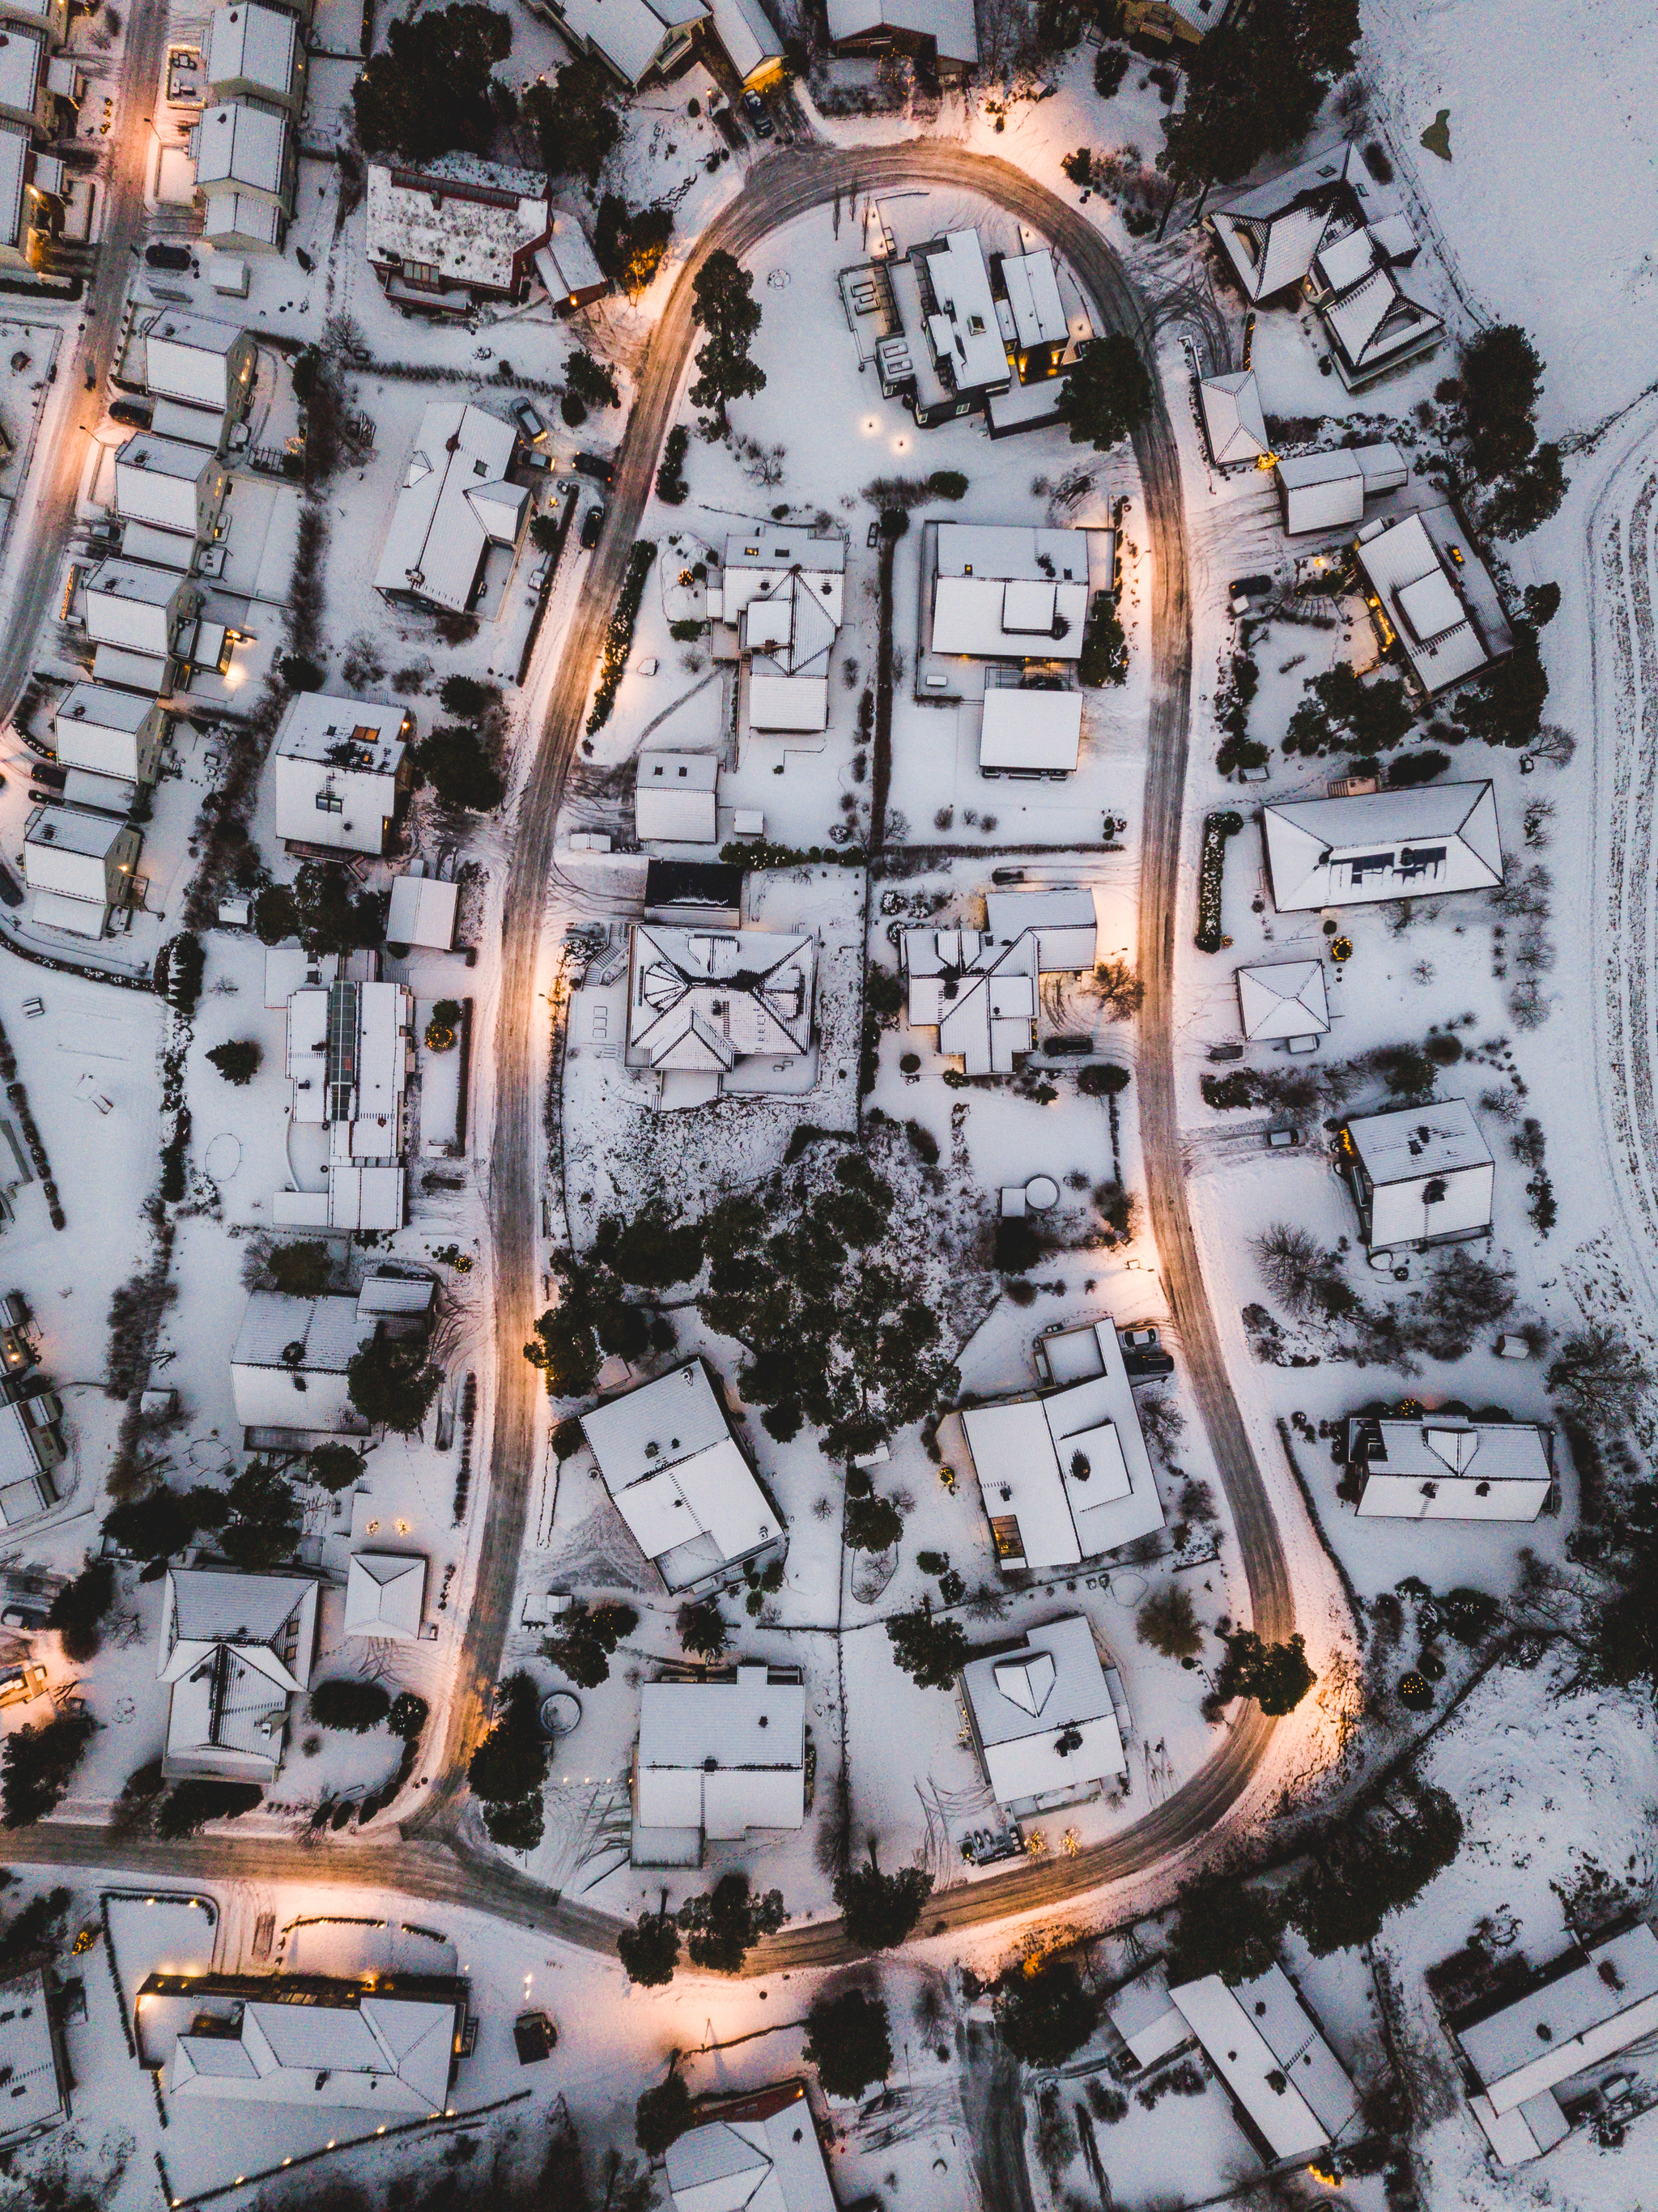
{"x": 758, "y": 115}
{"x": 592, "y": 525}
{"x": 163, "y": 256}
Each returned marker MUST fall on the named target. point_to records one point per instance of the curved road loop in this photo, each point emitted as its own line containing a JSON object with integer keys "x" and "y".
{"x": 436, "y": 1859}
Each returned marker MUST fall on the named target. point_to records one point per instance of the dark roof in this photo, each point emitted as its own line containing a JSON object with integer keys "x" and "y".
{"x": 692, "y": 883}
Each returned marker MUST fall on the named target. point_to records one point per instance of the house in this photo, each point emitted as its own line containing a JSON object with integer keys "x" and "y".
{"x": 712, "y": 1012}
{"x": 174, "y": 487}
{"x": 1322, "y": 491}
{"x": 716, "y": 1758}
{"x": 1273, "y": 234}
{"x": 138, "y": 608}
{"x": 1290, "y": 2093}
{"x": 246, "y": 165}
{"x": 1286, "y": 1001}
{"x": 1415, "y": 843}
{"x": 190, "y": 360}
{"x": 442, "y": 239}
{"x": 342, "y": 770}
{"x": 31, "y": 1447}
{"x": 1233, "y": 421}
{"x": 1044, "y": 1717}
{"x": 940, "y": 36}
{"x": 1064, "y": 1473}
{"x": 109, "y": 733}
{"x": 1584, "y": 2007}
{"x": 1001, "y": 593}
{"x": 32, "y": 187}
{"x": 80, "y": 867}
{"x": 752, "y": 43}
{"x": 255, "y": 52}
{"x": 781, "y": 596}
{"x": 567, "y": 266}
{"x": 1173, "y": 22}
{"x": 1447, "y": 1467}
{"x": 422, "y": 912}
{"x": 979, "y": 988}
{"x": 1419, "y": 1175}
{"x": 676, "y": 1472}
{"x": 632, "y": 39}
{"x": 946, "y": 355}
{"x": 675, "y": 797}
{"x": 759, "y": 2150}
{"x": 386, "y": 1596}
{"x": 33, "y": 2065}
{"x": 1046, "y": 323}
{"x": 1428, "y": 592}
{"x": 288, "y": 1371}
{"x": 1374, "y": 328}
{"x": 455, "y": 504}
{"x": 348, "y": 1058}
{"x": 1030, "y": 731}
{"x": 389, "y": 2045}
{"x": 49, "y": 17}
{"x": 234, "y": 1648}
{"x": 25, "y": 96}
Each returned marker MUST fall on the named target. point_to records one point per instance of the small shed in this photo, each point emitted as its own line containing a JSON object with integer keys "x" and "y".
{"x": 422, "y": 912}
{"x": 1030, "y": 733}
{"x": 1286, "y": 1000}
{"x": 385, "y": 1596}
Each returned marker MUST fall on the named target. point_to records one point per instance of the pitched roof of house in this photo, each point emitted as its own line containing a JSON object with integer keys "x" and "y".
{"x": 1423, "y": 604}
{"x": 950, "y": 24}
{"x": 1375, "y": 319}
{"x": 722, "y": 1756}
{"x": 1410, "y": 843}
{"x": 707, "y": 998}
{"x": 668, "y": 1458}
{"x": 761, "y": 2154}
{"x": 1232, "y": 412}
{"x": 1268, "y": 2050}
{"x": 258, "y": 46}
{"x": 1286, "y": 999}
{"x": 455, "y": 502}
{"x": 242, "y": 142}
{"x": 384, "y": 1594}
{"x": 468, "y": 220}
{"x": 389, "y": 2054}
{"x": 1044, "y": 1716}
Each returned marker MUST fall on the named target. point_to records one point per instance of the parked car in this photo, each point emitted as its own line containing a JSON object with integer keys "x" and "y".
{"x": 592, "y": 525}
{"x": 596, "y": 466}
{"x": 1281, "y": 1139}
{"x": 540, "y": 573}
{"x": 161, "y": 255}
{"x": 135, "y": 413}
{"x": 11, "y": 892}
{"x": 48, "y": 773}
{"x": 528, "y": 420}
{"x": 759, "y": 115}
{"x": 1062, "y": 1047}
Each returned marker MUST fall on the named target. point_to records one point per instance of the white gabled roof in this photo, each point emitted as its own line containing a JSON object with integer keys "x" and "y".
{"x": 454, "y": 503}
{"x": 1568, "y": 2022}
{"x": 29, "y": 2055}
{"x": 388, "y": 2054}
{"x": 567, "y": 265}
{"x": 748, "y": 35}
{"x": 666, "y": 1455}
{"x": 1232, "y": 413}
{"x": 1438, "y": 838}
{"x": 422, "y": 912}
{"x": 1430, "y": 1170}
{"x": 1032, "y": 286}
{"x": 1375, "y": 319}
{"x": 385, "y": 1594}
{"x": 14, "y": 170}
{"x": 675, "y": 798}
{"x": 630, "y": 33}
{"x": 1267, "y": 2049}
{"x": 254, "y": 44}
{"x": 708, "y": 998}
{"x": 733, "y": 1750}
{"x": 950, "y": 24}
{"x": 764, "y": 2157}
{"x": 1286, "y": 999}
{"x": 242, "y": 142}
{"x": 1044, "y": 1716}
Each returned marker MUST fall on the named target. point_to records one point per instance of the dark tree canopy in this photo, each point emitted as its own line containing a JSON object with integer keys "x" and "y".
{"x": 663, "y": 2113}
{"x": 1254, "y": 86}
{"x": 628, "y": 246}
{"x": 189, "y": 1805}
{"x": 585, "y": 1639}
{"x": 1502, "y": 374}
{"x": 702, "y": 1628}
{"x": 1277, "y": 1675}
{"x": 723, "y": 1924}
{"x": 392, "y": 1383}
{"x": 157, "y": 1526}
{"x": 1043, "y": 2017}
{"x": 455, "y": 763}
{"x": 430, "y": 92}
{"x": 239, "y": 1061}
{"x": 872, "y": 1524}
{"x": 649, "y": 1950}
{"x": 303, "y": 1270}
{"x": 722, "y": 305}
{"x": 1505, "y": 706}
{"x": 509, "y": 1766}
{"x": 1372, "y": 1863}
{"x": 1107, "y": 393}
{"x": 79, "y": 1607}
{"x": 849, "y": 2041}
{"x": 879, "y": 1910}
{"x": 265, "y": 1517}
{"x": 575, "y": 120}
{"x": 930, "y": 1649}
{"x": 322, "y": 908}
{"x": 37, "y": 1766}
{"x": 349, "y": 1703}
{"x": 1226, "y": 1927}
{"x": 333, "y": 1466}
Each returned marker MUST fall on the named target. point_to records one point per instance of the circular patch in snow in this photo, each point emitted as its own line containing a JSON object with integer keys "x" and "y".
{"x": 210, "y": 1455}
{"x": 222, "y": 1156}
{"x": 561, "y": 1714}
{"x": 778, "y": 278}
{"x": 1040, "y": 1193}
{"x": 1128, "y": 1589}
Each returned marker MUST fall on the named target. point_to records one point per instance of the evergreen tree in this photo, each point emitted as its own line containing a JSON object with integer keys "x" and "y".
{"x": 38, "y": 1765}
{"x": 849, "y": 2041}
{"x": 649, "y": 1950}
{"x": 663, "y": 2113}
{"x": 333, "y": 1467}
{"x": 78, "y": 1607}
{"x": 454, "y": 762}
{"x": 1227, "y": 1927}
{"x": 872, "y": 1524}
{"x": 1275, "y": 1675}
{"x": 1107, "y": 394}
{"x": 722, "y": 305}
{"x": 1043, "y": 2017}
{"x": 392, "y": 1382}
{"x": 264, "y": 1526}
{"x": 302, "y": 1270}
{"x": 430, "y": 92}
{"x": 723, "y": 1925}
{"x": 584, "y": 1641}
{"x": 878, "y": 1910}
{"x": 1501, "y": 374}
{"x": 190, "y": 1805}
{"x": 159, "y": 1525}
{"x": 702, "y": 1628}
{"x": 239, "y": 1061}
{"x": 931, "y": 1651}
{"x": 575, "y": 120}
{"x": 354, "y": 1706}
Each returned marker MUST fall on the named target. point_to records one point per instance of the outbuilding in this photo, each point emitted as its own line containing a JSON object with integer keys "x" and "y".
{"x": 1419, "y": 1175}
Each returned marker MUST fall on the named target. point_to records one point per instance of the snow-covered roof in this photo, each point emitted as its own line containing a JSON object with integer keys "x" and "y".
{"x": 1271, "y": 232}
{"x": 750, "y": 39}
{"x": 186, "y": 357}
{"x": 1286, "y": 999}
{"x": 1266, "y": 2047}
{"x": 705, "y": 998}
{"x": 239, "y": 218}
{"x": 468, "y": 220}
{"x": 950, "y": 24}
{"x": 1233, "y": 416}
{"x": 288, "y": 1368}
{"x": 962, "y": 327}
{"x": 1032, "y": 287}
{"x": 1418, "y": 593}
{"x": 1376, "y": 322}
{"x": 28, "y": 2057}
{"x": 366, "y": 735}
{"x": 777, "y": 547}
{"x": 22, "y": 65}
{"x": 761, "y": 2154}
{"x": 629, "y": 33}
{"x": 422, "y": 912}
{"x": 979, "y": 992}
{"x": 1031, "y": 730}
{"x": 92, "y": 836}
{"x": 14, "y": 174}
{"x": 675, "y": 798}
{"x": 1066, "y": 1476}
{"x": 454, "y": 504}
{"x": 667, "y": 1456}
{"x": 1042, "y": 1716}
{"x": 1426, "y": 1171}
{"x": 385, "y": 1594}
{"x": 1344, "y": 257}
{"x": 235, "y": 1647}
{"x": 1413, "y": 843}
{"x": 1065, "y": 924}
{"x": 256, "y": 46}
{"x": 387, "y": 2054}
{"x": 567, "y": 265}
{"x": 242, "y": 142}
{"x": 1444, "y": 1467}
{"x": 1587, "y": 2006}
{"x": 721, "y": 1756}
{"x": 1004, "y": 593}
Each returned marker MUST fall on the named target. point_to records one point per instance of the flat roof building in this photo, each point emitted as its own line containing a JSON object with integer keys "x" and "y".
{"x": 1044, "y": 1720}
{"x": 189, "y": 359}
{"x": 1026, "y": 731}
{"x": 1447, "y": 1467}
{"x": 718, "y": 1758}
{"x": 109, "y": 733}
{"x": 1418, "y": 843}
{"x": 1323, "y": 491}
{"x": 24, "y": 92}
{"x": 442, "y": 237}
{"x": 31, "y": 1447}
{"x": 422, "y": 912}
{"x": 234, "y": 1648}
{"x": 348, "y": 1058}
{"x": 342, "y": 769}
{"x": 256, "y": 51}
{"x": 455, "y": 503}
{"x": 676, "y": 1472}
{"x": 136, "y": 608}
{"x": 1419, "y": 1175}
{"x": 1065, "y": 1475}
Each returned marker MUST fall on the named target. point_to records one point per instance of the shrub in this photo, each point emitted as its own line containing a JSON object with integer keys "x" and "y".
{"x": 1277, "y": 1675}
{"x": 1168, "y": 1623}
{"x": 189, "y": 1806}
{"x": 619, "y": 638}
{"x": 1094, "y": 1082}
{"x": 947, "y": 484}
{"x": 180, "y": 972}
{"x": 1104, "y": 658}
{"x": 878, "y": 1910}
{"x": 302, "y": 1270}
{"x": 37, "y": 1765}
{"x": 649, "y": 1950}
{"x": 922, "y": 1143}
{"x": 702, "y": 1629}
{"x": 1217, "y": 829}
{"x": 352, "y": 1705}
{"x": 664, "y": 2111}
{"x": 872, "y": 1524}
